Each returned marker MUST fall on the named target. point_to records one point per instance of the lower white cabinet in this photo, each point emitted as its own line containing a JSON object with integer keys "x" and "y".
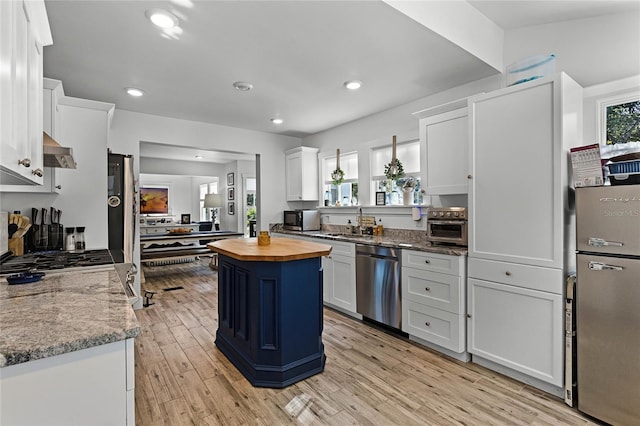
{"x": 433, "y": 298}
{"x": 518, "y": 328}
{"x": 93, "y": 386}
{"x": 339, "y": 284}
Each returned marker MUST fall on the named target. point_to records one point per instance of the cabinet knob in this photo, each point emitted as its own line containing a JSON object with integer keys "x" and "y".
{"x": 427, "y": 289}
{"x": 469, "y": 176}
{"x": 427, "y": 261}
{"x": 58, "y": 186}
{"x": 26, "y": 162}
{"x": 468, "y": 315}
{"x": 508, "y": 273}
{"x": 427, "y": 323}
{"x": 37, "y": 172}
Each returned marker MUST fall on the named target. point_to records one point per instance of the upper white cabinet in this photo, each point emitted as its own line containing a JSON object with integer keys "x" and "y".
{"x": 24, "y": 30}
{"x": 302, "y": 174}
{"x": 52, "y": 92}
{"x": 444, "y": 134}
{"x": 519, "y": 171}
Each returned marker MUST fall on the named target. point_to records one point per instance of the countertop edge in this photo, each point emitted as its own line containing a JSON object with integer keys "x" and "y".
{"x": 381, "y": 241}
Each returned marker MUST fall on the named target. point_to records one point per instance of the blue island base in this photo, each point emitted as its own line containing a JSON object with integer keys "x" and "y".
{"x": 270, "y": 319}
{"x": 271, "y": 376}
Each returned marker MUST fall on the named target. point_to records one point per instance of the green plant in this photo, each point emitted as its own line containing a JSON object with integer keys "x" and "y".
{"x": 337, "y": 176}
{"x": 251, "y": 214}
{"x": 394, "y": 170}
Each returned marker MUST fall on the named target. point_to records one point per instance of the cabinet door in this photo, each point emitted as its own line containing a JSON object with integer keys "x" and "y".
{"x": 343, "y": 290}
{"x": 294, "y": 176}
{"x": 446, "y": 140}
{"x": 518, "y": 328}
{"x": 515, "y": 202}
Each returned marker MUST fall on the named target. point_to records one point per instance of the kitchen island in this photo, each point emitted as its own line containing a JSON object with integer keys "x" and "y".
{"x": 270, "y": 308}
{"x": 66, "y": 350}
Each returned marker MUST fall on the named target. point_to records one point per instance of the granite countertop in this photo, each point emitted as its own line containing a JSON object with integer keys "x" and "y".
{"x": 64, "y": 312}
{"x": 393, "y": 238}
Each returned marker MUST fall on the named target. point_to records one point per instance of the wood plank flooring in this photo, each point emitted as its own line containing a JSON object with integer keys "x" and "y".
{"x": 370, "y": 378}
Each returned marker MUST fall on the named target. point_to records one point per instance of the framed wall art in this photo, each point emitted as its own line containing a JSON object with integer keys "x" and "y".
{"x": 229, "y": 179}
{"x": 154, "y": 200}
{"x": 231, "y": 208}
{"x": 380, "y": 198}
{"x": 230, "y": 194}
{"x": 185, "y": 218}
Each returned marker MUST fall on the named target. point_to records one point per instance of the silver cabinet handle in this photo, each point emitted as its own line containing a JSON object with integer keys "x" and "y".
{"x": 427, "y": 289}
{"x": 427, "y": 261}
{"x": 37, "y": 172}
{"x": 599, "y": 242}
{"x": 508, "y": 273}
{"x": 428, "y": 324}
{"x": 26, "y": 162}
{"x": 58, "y": 186}
{"x": 599, "y": 266}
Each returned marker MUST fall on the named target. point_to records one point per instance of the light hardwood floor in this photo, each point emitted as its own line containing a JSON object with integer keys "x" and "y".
{"x": 370, "y": 377}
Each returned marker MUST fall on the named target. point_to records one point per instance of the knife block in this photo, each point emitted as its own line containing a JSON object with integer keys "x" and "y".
{"x": 16, "y": 245}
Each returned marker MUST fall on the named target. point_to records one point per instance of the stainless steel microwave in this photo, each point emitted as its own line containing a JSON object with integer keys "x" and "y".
{"x": 301, "y": 220}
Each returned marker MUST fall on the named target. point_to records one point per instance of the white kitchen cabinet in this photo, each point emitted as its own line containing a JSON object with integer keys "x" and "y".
{"x": 301, "y": 169}
{"x": 520, "y": 233}
{"x": 517, "y": 327}
{"x": 433, "y": 299}
{"x": 339, "y": 282}
{"x": 90, "y": 386}
{"x": 52, "y": 91}
{"x": 444, "y": 134}
{"x": 25, "y": 31}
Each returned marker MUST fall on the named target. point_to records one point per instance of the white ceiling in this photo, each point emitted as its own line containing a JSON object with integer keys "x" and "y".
{"x": 181, "y": 153}
{"x": 297, "y": 54}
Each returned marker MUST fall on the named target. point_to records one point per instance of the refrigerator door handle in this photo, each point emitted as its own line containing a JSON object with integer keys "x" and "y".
{"x": 599, "y": 242}
{"x": 599, "y": 266}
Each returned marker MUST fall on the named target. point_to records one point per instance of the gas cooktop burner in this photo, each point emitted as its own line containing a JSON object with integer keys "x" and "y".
{"x": 54, "y": 260}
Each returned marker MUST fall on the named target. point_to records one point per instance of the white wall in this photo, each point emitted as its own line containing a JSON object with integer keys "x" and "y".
{"x": 592, "y": 51}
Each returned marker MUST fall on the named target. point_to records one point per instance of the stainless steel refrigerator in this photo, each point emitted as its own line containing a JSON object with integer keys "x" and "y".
{"x": 608, "y": 303}
{"x": 121, "y": 201}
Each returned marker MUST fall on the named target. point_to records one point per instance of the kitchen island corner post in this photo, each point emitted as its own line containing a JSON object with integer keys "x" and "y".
{"x": 270, "y": 309}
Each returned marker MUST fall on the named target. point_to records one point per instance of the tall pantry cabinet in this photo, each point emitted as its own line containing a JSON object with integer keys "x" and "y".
{"x": 520, "y": 228}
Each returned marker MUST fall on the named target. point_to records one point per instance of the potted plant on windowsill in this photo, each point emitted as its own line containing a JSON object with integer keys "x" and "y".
{"x": 408, "y": 189}
{"x": 337, "y": 176}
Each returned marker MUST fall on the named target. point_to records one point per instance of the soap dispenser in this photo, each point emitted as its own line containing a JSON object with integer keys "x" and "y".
{"x": 349, "y": 227}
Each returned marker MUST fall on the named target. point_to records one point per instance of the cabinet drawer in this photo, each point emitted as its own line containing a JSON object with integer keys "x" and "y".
{"x": 340, "y": 248}
{"x": 533, "y": 277}
{"x": 433, "y": 325}
{"x": 435, "y": 262}
{"x": 440, "y": 291}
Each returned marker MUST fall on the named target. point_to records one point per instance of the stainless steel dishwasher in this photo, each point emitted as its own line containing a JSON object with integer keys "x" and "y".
{"x": 378, "y": 284}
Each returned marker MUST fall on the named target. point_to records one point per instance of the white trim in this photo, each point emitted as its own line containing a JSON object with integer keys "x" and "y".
{"x": 628, "y": 83}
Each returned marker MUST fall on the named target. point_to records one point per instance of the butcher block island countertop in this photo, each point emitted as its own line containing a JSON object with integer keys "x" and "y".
{"x": 279, "y": 250}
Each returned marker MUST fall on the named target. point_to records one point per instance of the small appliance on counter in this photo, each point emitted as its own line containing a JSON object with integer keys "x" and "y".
{"x": 447, "y": 225}
{"x": 301, "y": 220}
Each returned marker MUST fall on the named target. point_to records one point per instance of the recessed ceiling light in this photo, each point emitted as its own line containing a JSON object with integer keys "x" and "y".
{"x": 277, "y": 120}
{"x": 353, "y": 84}
{"x": 199, "y": 157}
{"x": 134, "y": 92}
{"x": 243, "y": 86}
{"x": 162, "y": 18}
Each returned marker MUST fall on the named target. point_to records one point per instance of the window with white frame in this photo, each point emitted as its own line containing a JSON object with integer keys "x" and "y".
{"x": 206, "y": 213}
{"x": 619, "y": 124}
{"x": 345, "y": 194}
{"x": 409, "y": 155}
